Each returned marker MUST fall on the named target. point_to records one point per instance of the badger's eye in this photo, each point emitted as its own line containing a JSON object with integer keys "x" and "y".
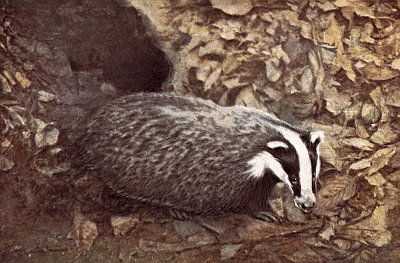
{"x": 294, "y": 180}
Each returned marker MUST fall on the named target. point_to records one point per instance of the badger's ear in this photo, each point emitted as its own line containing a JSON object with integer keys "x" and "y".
{"x": 316, "y": 137}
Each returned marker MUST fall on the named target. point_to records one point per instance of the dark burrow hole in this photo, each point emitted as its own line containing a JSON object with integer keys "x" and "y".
{"x": 97, "y": 35}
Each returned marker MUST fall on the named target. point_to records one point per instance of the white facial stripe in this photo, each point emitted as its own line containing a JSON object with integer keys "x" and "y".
{"x": 263, "y": 161}
{"x": 277, "y": 144}
{"x": 305, "y": 172}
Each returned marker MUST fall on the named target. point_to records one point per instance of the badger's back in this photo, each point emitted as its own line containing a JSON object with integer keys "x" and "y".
{"x": 176, "y": 151}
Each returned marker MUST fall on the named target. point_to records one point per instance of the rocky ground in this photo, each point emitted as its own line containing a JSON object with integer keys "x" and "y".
{"x": 330, "y": 65}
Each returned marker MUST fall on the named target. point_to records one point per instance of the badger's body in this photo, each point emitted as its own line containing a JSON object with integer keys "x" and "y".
{"x": 192, "y": 155}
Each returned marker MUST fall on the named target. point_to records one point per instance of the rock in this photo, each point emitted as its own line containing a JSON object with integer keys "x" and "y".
{"x": 108, "y": 89}
{"x": 45, "y": 134}
{"x": 229, "y": 251}
{"x": 5, "y": 164}
{"x": 187, "y": 228}
{"x": 123, "y": 224}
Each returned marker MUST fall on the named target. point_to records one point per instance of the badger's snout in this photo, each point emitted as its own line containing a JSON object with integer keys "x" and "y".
{"x": 306, "y": 203}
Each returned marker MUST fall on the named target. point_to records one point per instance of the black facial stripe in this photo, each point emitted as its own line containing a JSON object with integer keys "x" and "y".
{"x": 290, "y": 163}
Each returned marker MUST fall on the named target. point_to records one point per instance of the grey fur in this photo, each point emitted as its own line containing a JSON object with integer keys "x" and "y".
{"x": 179, "y": 152}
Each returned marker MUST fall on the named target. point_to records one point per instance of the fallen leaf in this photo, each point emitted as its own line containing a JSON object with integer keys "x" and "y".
{"x": 359, "y": 143}
{"x": 393, "y": 97}
{"x": 374, "y": 72}
{"x": 23, "y": 80}
{"x": 333, "y": 35}
{"x": 335, "y": 192}
{"x": 375, "y": 179}
{"x": 356, "y": 6}
{"x": 336, "y": 102}
{"x": 214, "y": 47}
{"x": 384, "y": 135}
{"x": 233, "y": 7}
{"x": 9, "y": 77}
{"x": 377, "y": 161}
{"x": 372, "y": 230}
{"x": 366, "y": 34}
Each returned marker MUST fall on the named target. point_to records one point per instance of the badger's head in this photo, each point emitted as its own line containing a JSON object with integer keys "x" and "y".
{"x": 294, "y": 158}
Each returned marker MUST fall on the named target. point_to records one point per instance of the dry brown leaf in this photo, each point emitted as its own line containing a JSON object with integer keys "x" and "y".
{"x": 23, "y": 80}
{"x": 336, "y": 191}
{"x": 358, "y": 52}
{"x": 359, "y": 143}
{"x": 336, "y": 102}
{"x": 389, "y": 46}
{"x": 379, "y": 100}
{"x": 373, "y": 72}
{"x": 333, "y": 35}
{"x": 376, "y": 179}
{"x": 357, "y": 6}
{"x": 342, "y": 62}
{"x": 384, "y": 135}
{"x": 9, "y": 77}
{"x": 395, "y": 161}
{"x": 361, "y": 131}
{"x": 213, "y": 47}
{"x": 366, "y": 34}
{"x": 391, "y": 196}
{"x": 372, "y": 230}
{"x": 326, "y": 6}
{"x": 247, "y": 97}
{"x": 233, "y": 7}
{"x": 376, "y": 162}
{"x": 393, "y": 97}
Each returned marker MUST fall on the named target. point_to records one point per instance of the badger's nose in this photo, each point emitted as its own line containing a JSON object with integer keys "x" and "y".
{"x": 307, "y": 207}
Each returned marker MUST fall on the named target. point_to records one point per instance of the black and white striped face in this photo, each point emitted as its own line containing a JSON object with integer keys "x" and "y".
{"x": 295, "y": 160}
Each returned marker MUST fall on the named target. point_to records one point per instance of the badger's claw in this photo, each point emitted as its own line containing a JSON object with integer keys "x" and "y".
{"x": 268, "y": 217}
{"x": 179, "y": 214}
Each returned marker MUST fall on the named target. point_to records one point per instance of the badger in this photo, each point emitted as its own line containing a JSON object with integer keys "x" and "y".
{"x": 195, "y": 157}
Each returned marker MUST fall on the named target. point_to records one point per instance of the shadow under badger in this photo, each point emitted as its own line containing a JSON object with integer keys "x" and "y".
{"x": 193, "y": 156}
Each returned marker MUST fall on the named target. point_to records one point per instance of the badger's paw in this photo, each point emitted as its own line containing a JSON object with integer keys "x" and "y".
{"x": 83, "y": 231}
{"x": 179, "y": 214}
{"x": 268, "y": 217}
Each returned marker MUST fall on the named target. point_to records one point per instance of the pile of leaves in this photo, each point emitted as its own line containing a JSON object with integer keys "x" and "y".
{"x": 332, "y": 64}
